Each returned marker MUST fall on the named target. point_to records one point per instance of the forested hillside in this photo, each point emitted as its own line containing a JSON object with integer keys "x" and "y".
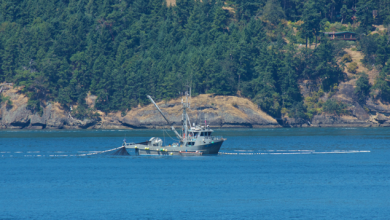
{"x": 122, "y": 50}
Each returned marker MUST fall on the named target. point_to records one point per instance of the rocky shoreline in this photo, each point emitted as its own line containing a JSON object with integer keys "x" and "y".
{"x": 220, "y": 112}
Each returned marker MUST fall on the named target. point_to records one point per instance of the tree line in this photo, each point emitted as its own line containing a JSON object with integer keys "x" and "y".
{"x": 122, "y": 50}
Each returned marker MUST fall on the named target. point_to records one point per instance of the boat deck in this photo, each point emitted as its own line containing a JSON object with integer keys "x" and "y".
{"x": 145, "y": 149}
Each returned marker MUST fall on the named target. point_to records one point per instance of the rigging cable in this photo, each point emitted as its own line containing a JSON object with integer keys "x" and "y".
{"x": 170, "y": 136}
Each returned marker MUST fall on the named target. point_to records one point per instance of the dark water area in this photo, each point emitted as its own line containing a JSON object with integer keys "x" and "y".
{"x": 308, "y": 173}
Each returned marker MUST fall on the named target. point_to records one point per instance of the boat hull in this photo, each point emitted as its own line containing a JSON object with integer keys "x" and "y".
{"x": 198, "y": 150}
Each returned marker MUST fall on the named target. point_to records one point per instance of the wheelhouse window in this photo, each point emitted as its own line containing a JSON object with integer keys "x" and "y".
{"x": 205, "y": 134}
{"x": 190, "y": 143}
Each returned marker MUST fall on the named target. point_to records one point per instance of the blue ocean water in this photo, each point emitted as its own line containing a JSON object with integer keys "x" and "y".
{"x": 305, "y": 173}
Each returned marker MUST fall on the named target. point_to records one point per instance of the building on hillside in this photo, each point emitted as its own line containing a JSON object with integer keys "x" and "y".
{"x": 345, "y": 35}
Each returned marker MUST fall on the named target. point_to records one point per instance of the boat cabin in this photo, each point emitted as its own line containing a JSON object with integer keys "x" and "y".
{"x": 200, "y": 131}
{"x": 199, "y": 134}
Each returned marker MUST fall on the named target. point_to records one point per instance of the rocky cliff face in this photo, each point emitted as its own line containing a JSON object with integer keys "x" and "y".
{"x": 375, "y": 113}
{"x": 18, "y": 116}
{"x": 219, "y": 111}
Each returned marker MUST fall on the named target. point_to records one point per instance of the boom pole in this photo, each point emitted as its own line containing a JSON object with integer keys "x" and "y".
{"x": 159, "y": 110}
{"x": 169, "y": 123}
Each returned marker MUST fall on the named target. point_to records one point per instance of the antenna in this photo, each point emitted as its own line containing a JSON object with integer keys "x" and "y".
{"x": 189, "y": 103}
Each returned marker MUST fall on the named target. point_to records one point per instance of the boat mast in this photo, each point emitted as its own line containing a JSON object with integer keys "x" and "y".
{"x": 185, "y": 119}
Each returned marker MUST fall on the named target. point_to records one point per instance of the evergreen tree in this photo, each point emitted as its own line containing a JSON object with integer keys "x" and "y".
{"x": 322, "y": 65}
{"x": 382, "y": 84}
{"x": 364, "y": 14}
{"x": 362, "y": 88}
{"x": 311, "y": 18}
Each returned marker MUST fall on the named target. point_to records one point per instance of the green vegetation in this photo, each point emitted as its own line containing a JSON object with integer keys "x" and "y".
{"x": 382, "y": 84}
{"x": 346, "y": 58}
{"x": 338, "y": 27}
{"x": 362, "y": 89}
{"x": 334, "y": 107}
{"x": 376, "y": 49}
{"x": 6, "y": 100}
{"x": 298, "y": 111}
{"x": 352, "y": 67}
{"x": 122, "y": 50}
{"x": 81, "y": 112}
{"x": 314, "y": 104}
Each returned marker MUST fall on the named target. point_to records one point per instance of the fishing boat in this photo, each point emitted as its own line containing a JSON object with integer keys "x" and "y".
{"x": 195, "y": 140}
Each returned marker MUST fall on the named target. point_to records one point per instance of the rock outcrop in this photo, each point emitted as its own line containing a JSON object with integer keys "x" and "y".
{"x": 373, "y": 114}
{"x": 219, "y": 111}
{"x": 18, "y": 115}
{"x": 339, "y": 121}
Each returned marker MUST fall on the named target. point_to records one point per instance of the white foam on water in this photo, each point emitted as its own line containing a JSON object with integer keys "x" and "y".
{"x": 295, "y": 152}
{"x": 84, "y": 153}
{"x": 60, "y": 153}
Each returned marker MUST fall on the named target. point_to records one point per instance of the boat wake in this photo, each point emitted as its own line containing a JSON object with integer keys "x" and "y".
{"x": 120, "y": 151}
{"x": 288, "y": 152}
